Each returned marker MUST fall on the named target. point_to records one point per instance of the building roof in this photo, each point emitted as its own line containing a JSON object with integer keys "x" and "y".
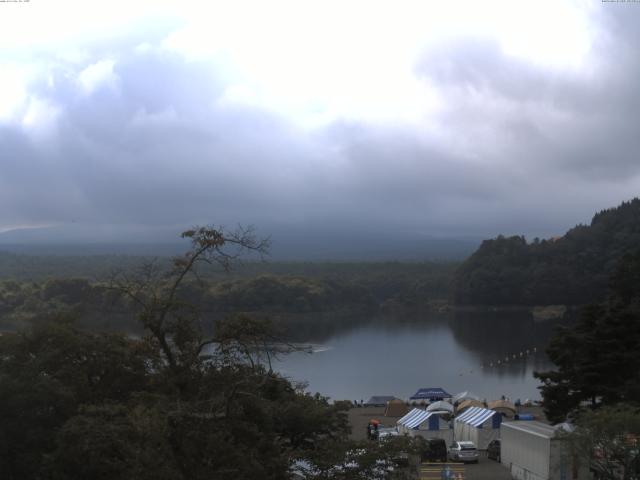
{"x": 535, "y": 428}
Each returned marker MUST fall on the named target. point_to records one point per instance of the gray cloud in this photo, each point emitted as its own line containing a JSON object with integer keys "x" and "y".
{"x": 520, "y": 148}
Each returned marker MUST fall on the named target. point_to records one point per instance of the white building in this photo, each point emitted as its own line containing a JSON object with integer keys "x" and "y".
{"x": 534, "y": 451}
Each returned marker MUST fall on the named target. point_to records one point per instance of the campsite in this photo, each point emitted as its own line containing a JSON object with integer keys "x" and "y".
{"x": 532, "y": 448}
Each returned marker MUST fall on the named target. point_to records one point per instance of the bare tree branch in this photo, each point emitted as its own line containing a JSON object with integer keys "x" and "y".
{"x": 154, "y": 290}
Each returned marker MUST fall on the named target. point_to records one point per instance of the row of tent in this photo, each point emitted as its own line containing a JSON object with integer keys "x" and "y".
{"x": 477, "y": 424}
{"x": 423, "y": 394}
{"x": 397, "y": 408}
{"x": 435, "y": 394}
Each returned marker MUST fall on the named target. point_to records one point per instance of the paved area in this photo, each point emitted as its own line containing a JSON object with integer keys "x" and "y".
{"x": 360, "y": 417}
{"x": 438, "y": 471}
{"x": 485, "y": 469}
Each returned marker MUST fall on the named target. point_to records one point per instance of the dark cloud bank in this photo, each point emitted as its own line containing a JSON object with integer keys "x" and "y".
{"x": 139, "y": 158}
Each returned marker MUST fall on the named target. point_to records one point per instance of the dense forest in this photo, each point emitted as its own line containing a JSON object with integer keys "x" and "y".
{"x": 175, "y": 403}
{"x": 571, "y": 270}
{"x": 308, "y": 297}
{"x": 596, "y": 382}
{"x": 597, "y": 358}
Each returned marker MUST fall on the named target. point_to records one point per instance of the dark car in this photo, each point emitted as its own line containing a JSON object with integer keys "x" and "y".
{"x": 435, "y": 450}
{"x": 493, "y": 450}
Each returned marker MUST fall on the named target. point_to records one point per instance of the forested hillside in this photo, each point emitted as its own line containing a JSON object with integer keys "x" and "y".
{"x": 597, "y": 359}
{"x": 572, "y": 269}
{"x": 292, "y": 292}
{"x": 178, "y": 402}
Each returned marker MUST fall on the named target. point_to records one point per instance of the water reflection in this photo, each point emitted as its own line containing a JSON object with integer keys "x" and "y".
{"x": 397, "y": 355}
{"x": 505, "y": 343}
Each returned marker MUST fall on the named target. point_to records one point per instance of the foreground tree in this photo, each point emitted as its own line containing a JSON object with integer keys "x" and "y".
{"x": 598, "y": 359}
{"x": 180, "y": 403}
{"x": 46, "y": 374}
{"x": 608, "y": 439}
{"x": 349, "y": 460}
{"x": 175, "y": 325}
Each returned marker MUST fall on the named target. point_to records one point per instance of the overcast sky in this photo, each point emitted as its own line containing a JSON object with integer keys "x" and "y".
{"x": 419, "y": 117}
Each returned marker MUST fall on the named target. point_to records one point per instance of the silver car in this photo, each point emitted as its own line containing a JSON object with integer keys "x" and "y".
{"x": 463, "y": 452}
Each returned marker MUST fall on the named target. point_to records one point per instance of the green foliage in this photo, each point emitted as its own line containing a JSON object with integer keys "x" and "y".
{"x": 607, "y": 439}
{"x": 112, "y": 441}
{"x": 80, "y": 405}
{"x": 330, "y": 291}
{"x": 174, "y": 404}
{"x": 27, "y": 267}
{"x": 598, "y": 359}
{"x": 364, "y": 460}
{"x": 290, "y": 294}
{"x": 573, "y": 269}
{"x": 46, "y": 373}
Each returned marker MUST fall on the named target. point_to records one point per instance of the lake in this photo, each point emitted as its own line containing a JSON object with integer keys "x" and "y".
{"x": 483, "y": 353}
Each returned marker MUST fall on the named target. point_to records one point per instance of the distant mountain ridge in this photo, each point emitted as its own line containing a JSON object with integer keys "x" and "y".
{"x": 289, "y": 243}
{"x": 572, "y": 269}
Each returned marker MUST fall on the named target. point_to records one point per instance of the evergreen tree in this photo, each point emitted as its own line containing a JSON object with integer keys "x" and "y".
{"x": 598, "y": 359}
{"x": 572, "y": 269}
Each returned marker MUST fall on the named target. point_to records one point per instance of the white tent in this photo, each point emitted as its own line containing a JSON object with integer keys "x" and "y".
{"x": 440, "y": 407}
{"x": 478, "y": 425}
{"x": 466, "y": 395}
{"x": 425, "y": 424}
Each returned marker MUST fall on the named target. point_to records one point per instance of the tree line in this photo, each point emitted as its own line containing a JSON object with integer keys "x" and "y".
{"x": 178, "y": 402}
{"x": 596, "y": 382}
{"x": 572, "y": 269}
{"x": 347, "y": 292}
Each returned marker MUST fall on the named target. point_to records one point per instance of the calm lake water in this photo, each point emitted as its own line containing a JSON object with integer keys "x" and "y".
{"x": 397, "y": 356}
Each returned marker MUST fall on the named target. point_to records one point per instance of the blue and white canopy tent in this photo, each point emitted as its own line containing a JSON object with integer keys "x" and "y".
{"x": 430, "y": 394}
{"x": 425, "y": 424}
{"x": 478, "y": 425}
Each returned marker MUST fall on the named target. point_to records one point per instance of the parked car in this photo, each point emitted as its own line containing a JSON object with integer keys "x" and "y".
{"x": 435, "y": 450}
{"x": 387, "y": 433}
{"x": 493, "y": 450}
{"x": 463, "y": 452}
